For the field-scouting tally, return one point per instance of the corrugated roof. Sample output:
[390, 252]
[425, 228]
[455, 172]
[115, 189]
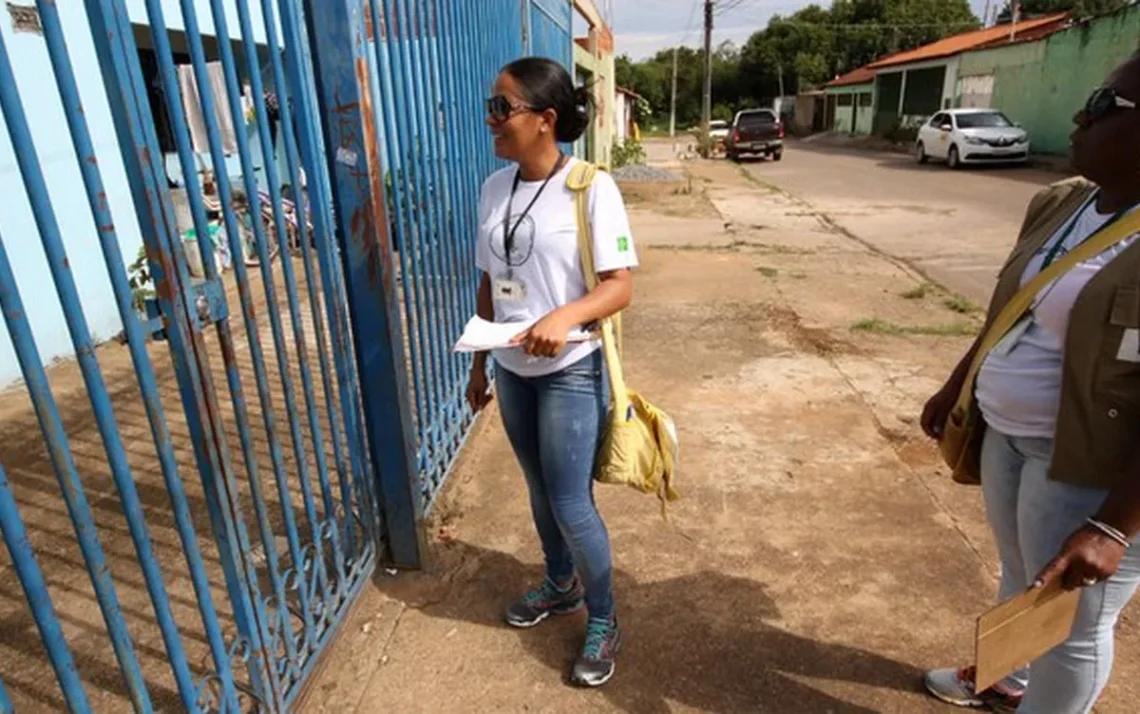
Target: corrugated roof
[950, 46]
[863, 75]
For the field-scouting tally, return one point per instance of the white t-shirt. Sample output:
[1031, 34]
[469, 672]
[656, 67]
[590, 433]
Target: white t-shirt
[545, 259]
[1019, 385]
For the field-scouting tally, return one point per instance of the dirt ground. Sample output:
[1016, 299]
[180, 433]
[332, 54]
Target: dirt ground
[820, 558]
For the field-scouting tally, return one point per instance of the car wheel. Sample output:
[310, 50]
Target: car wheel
[734, 157]
[920, 153]
[777, 155]
[953, 159]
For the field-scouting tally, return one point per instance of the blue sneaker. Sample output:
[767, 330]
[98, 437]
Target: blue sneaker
[598, 661]
[546, 600]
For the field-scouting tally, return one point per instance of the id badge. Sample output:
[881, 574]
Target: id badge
[1007, 343]
[509, 291]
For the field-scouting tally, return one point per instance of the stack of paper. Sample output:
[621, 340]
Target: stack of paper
[482, 336]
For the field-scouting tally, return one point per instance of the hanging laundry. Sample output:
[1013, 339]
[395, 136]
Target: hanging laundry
[196, 118]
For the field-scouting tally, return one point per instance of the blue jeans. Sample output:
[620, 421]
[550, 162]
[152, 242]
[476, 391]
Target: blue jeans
[555, 424]
[1031, 518]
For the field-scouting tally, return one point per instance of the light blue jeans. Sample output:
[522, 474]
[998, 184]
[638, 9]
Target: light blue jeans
[555, 425]
[1031, 518]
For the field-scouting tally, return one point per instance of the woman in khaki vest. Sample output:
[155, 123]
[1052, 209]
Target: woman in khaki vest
[1059, 456]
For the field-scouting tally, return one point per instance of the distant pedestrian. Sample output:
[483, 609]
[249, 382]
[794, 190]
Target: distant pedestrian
[553, 393]
[1057, 447]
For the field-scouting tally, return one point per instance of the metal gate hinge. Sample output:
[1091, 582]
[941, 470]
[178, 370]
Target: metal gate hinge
[208, 300]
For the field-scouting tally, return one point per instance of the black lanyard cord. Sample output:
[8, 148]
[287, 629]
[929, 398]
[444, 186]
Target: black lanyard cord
[1059, 249]
[508, 232]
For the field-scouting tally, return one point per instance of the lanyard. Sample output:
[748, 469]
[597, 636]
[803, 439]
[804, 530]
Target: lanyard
[1058, 248]
[508, 232]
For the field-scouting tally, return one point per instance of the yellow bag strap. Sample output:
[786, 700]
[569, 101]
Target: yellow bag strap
[579, 181]
[1020, 303]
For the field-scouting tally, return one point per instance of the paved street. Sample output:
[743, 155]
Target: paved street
[957, 227]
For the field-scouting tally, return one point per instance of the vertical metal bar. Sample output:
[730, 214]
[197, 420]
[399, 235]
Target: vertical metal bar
[188, 159]
[36, 187]
[463, 105]
[134, 125]
[5, 700]
[420, 241]
[249, 176]
[39, 600]
[353, 155]
[63, 462]
[384, 48]
[328, 258]
[450, 320]
[245, 431]
[253, 68]
[301, 211]
[112, 255]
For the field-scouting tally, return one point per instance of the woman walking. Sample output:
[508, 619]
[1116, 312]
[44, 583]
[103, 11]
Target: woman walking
[1059, 398]
[552, 389]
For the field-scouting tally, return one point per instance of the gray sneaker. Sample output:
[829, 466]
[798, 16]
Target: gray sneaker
[544, 601]
[598, 661]
[956, 686]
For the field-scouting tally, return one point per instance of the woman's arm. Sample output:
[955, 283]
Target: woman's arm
[547, 338]
[484, 308]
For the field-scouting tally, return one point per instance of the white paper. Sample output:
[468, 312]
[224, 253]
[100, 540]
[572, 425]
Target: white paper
[482, 335]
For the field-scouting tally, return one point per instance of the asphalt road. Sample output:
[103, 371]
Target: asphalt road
[955, 226]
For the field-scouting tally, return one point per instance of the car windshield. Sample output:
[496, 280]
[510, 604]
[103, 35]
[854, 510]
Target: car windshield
[756, 119]
[983, 120]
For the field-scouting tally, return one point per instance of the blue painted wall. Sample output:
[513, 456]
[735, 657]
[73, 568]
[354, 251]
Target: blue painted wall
[37, 87]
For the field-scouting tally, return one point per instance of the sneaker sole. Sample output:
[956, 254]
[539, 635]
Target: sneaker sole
[594, 684]
[972, 704]
[528, 624]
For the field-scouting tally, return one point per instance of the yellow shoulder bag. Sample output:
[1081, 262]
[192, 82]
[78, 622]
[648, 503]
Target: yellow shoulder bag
[640, 448]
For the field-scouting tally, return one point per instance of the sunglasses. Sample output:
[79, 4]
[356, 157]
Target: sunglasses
[1105, 101]
[499, 108]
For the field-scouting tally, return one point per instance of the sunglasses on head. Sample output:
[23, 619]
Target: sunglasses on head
[1105, 101]
[500, 108]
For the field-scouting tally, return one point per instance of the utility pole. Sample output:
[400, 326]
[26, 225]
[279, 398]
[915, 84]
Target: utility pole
[706, 108]
[673, 102]
[1016, 6]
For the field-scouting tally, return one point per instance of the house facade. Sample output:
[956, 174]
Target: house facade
[851, 102]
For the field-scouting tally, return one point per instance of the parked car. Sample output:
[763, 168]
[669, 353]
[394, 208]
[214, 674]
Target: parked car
[758, 132]
[971, 136]
[718, 133]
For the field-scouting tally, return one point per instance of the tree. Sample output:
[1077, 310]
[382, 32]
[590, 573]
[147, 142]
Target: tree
[805, 49]
[1079, 8]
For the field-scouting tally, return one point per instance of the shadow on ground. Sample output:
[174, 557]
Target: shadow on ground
[705, 640]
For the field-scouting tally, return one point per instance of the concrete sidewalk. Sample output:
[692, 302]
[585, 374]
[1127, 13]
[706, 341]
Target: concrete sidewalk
[819, 559]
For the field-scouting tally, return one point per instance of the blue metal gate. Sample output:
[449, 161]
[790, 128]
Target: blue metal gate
[282, 406]
[246, 569]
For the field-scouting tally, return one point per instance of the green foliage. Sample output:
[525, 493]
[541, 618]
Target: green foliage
[139, 280]
[799, 51]
[628, 152]
[1080, 8]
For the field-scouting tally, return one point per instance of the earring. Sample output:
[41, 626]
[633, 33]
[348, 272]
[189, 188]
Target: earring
[543, 129]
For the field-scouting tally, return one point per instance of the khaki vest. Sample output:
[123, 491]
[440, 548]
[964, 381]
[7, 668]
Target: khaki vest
[1098, 424]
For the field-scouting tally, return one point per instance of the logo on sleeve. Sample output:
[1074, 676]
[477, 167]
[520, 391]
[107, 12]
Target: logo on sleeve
[623, 244]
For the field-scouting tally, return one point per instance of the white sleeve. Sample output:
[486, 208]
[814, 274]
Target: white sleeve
[482, 244]
[613, 240]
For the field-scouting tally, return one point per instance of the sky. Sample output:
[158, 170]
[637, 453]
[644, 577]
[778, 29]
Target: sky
[642, 27]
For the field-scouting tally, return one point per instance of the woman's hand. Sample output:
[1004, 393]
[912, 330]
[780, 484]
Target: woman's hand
[547, 338]
[1088, 557]
[478, 392]
[937, 411]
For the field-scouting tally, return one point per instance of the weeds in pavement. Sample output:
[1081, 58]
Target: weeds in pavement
[918, 292]
[881, 327]
[961, 305]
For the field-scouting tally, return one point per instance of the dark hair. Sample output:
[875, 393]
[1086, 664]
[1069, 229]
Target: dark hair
[545, 84]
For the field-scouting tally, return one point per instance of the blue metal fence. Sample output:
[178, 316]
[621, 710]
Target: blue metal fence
[283, 406]
[230, 619]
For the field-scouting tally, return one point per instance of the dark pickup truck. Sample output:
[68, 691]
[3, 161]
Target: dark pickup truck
[758, 132]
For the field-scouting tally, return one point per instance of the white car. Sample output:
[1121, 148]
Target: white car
[718, 130]
[971, 136]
